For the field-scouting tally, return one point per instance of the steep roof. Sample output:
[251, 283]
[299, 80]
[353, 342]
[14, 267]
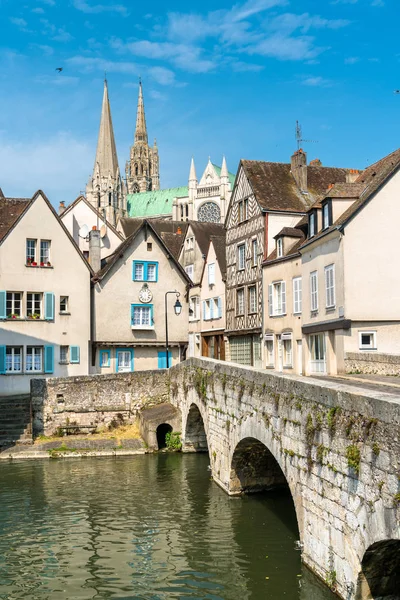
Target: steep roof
[94, 209]
[275, 187]
[289, 232]
[167, 229]
[106, 153]
[219, 243]
[155, 202]
[10, 211]
[203, 231]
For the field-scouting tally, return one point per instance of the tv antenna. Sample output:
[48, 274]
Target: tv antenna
[299, 137]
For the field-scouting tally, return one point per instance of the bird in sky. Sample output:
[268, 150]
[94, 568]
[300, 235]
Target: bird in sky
[396, 92]
[59, 69]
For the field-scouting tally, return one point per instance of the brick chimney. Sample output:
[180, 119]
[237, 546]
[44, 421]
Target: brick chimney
[298, 162]
[315, 163]
[352, 175]
[94, 249]
[61, 208]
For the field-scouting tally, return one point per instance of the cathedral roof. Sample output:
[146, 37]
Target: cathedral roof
[154, 203]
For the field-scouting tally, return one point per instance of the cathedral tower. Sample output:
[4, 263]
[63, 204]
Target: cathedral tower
[142, 170]
[105, 189]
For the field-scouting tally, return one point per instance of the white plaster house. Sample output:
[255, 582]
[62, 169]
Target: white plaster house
[44, 296]
[129, 317]
[81, 215]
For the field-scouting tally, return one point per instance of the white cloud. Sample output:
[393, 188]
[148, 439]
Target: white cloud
[351, 60]
[58, 79]
[58, 34]
[87, 8]
[47, 50]
[162, 75]
[38, 10]
[18, 22]
[89, 64]
[317, 82]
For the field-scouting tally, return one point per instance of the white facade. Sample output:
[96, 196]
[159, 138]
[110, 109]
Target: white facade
[44, 303]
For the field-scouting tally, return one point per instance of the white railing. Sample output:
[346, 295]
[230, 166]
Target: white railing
[208, 191]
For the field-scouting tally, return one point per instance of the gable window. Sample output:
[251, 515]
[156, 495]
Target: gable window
[30, 251]
[211, 274]
[13, 305]
[252, 299]
[34, 358]
[254, 252]
[190, 243]
[190, 271]
[240, 302]
[142, 316]
[144, 271]
[13, 359]
[34, 305]
[330, 286]
[194, 308]
[241, 256]
[277, 299]
[367, 340]
[314, 290]
[279, 247]
[64, 351]
[243, 210]
[312, 224]
[44, 252]
[326, 214]
[297, 295]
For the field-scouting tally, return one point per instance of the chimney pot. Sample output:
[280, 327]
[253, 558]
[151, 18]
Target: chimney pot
[61, 208]
[179, 231]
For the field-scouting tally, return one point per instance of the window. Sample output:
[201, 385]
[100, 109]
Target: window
[279, 247]
[30, 251]
[326, 214]
[149, 246]
[64, 351]
[189, 271]
[243, 210]
[240, 211]
[297, 295]
[252, 299]
[208, 308]
[217, 309]
[240, 302]
[211, 274]
[190, 243]
[34, 305]
[287, 349]
[254, 252]
[64, 304]
[194, 308]
[269, 343]
[241, 249]
[277, 299]
[105, 358]
[44, 251]
[314, 290]
[144, 271]
[312, 224]
[330, 286]
[13, 359]
[142, 316]
[34, 358]
[367, 340]
[13, 305]
[317, 348]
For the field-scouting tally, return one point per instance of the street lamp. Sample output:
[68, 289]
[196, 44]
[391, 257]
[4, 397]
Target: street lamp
[177, 310]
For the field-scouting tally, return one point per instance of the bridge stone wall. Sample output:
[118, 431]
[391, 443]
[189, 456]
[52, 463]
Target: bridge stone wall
[337, 446]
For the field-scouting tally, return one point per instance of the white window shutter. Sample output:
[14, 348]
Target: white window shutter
[270, 305]
[204, 311]
[211, 308]
[283, 297]
[219, 308]
[300, 293]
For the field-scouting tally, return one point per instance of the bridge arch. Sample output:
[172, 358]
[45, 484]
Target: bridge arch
[195, 436]
[380, 571]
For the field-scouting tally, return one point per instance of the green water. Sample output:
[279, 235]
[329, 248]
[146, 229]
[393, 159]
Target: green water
[146, 527]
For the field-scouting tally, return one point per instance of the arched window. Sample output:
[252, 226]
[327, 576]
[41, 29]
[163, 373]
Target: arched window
[136, 170]
[187, 211]
[181, 212]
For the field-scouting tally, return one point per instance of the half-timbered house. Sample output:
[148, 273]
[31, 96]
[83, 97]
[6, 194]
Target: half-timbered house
[266, 198]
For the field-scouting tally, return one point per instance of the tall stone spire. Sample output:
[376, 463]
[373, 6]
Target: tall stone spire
[141, 129]
[192, 173]
[142, 169]
[105, 189]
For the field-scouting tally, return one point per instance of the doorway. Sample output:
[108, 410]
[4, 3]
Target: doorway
[161, 433]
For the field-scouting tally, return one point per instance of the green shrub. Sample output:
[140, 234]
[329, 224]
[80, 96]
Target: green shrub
[173, 440]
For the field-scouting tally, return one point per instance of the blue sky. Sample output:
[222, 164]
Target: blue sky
[219, 78]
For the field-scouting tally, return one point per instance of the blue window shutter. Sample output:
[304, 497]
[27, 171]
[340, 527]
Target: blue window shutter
[219, 308]
[132, 359]
[3, 305]
[204, 311]
[2, 360]
[49, 306]
[74, 354]
[156, 271]
[48, 359]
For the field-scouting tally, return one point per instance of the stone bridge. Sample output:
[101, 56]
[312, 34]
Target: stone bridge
[335, 447]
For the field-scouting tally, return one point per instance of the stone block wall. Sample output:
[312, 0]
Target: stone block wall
[95, 399]
[371, 363]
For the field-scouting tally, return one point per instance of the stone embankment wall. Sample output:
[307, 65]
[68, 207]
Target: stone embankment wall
[370, 363]
[95, 400]
[337, 446]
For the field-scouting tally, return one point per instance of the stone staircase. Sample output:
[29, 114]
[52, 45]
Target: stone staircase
[15, 421]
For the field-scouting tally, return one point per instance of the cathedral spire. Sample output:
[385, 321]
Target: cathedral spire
[192, 173]
[141, 130]
[106, 153]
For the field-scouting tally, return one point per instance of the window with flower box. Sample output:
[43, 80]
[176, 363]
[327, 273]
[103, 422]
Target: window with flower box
[31, 251]
[34, 305]
[45, 253]
[13, 305]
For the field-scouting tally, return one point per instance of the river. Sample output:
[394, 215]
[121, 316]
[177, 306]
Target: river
[152, 527]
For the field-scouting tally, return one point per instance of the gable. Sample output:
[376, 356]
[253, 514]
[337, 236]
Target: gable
[241, 190]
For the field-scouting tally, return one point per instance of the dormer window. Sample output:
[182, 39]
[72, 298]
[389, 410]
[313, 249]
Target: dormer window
[312, 224]
[327, 214]
[279, 247]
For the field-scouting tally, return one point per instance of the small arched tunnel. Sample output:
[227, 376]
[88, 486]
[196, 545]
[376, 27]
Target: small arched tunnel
[380, 572]
[161, 433]
[254, 468]
[195, 434]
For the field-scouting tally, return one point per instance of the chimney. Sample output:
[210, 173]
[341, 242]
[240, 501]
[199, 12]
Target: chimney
[61, 208]
[298, 162]
[352, 175]
[315, 163]
[94, 249]
[179, 231]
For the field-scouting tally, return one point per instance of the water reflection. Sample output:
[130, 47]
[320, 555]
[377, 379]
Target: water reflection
[145, 528]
